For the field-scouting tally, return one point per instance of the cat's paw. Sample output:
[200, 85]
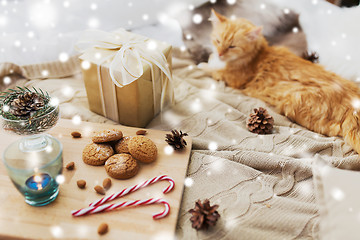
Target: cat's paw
[217, 75]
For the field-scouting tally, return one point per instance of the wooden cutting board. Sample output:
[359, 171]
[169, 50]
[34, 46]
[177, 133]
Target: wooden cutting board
[20, 221]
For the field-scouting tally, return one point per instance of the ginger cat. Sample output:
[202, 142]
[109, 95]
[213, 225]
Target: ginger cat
[302, 91]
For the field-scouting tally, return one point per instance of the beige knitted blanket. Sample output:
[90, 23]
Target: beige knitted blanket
[262, 183]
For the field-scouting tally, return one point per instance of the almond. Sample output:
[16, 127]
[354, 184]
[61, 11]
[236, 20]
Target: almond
[141, 132]
[70, 166]
[107, 183]
[81, 183]
[76, 134]
[99, 189]
[103, 228]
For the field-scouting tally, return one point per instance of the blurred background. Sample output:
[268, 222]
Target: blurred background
[46, 30]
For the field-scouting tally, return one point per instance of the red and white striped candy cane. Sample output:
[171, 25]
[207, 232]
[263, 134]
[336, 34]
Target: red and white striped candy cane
[135, 188]
[109, 207]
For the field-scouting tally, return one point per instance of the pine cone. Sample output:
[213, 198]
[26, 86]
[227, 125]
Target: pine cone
[204, 215]
[176, 140]
[260, 122]
[312, 56]
[26, 103]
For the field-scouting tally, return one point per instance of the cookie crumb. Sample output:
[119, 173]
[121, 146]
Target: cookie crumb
[99, 189]
[107, 183]
[81, 183]
[76, 134]
[141, 132]
[103, 228]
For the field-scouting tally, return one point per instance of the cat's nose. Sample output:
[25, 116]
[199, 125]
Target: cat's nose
[222, 52]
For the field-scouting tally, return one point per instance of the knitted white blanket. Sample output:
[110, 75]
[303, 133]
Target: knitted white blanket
[263, 183]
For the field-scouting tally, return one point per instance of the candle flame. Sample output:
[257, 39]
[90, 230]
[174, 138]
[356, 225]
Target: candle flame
[37, 178]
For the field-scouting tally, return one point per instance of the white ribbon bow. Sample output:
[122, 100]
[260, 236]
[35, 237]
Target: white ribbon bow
[130, 53]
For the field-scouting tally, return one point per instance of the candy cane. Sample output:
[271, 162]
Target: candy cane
[135, 188]
[109, 207]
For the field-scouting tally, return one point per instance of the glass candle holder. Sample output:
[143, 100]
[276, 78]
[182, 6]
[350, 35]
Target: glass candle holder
[34, 173]
[34, 162]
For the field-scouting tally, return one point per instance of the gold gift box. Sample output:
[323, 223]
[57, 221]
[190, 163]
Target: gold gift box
[130, 105]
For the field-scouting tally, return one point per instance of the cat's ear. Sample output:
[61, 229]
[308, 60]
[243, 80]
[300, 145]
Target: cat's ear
[216, 18]
[254, 34]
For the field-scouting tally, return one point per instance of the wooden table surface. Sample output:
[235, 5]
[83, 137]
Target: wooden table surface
[19, 220]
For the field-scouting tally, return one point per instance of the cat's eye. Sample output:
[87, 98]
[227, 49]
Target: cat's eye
[232, 46]
[217, 41]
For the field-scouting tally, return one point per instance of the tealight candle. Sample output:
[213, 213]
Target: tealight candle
[38, 181]
[34, 173]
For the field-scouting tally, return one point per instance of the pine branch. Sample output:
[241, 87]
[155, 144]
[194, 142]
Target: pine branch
[31, 123]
